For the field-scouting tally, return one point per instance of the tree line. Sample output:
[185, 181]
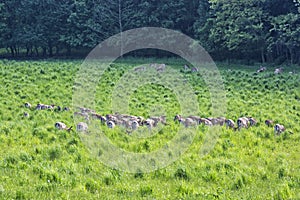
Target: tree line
[259, 30]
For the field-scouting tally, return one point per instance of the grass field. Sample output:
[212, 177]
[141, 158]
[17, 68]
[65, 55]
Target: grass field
[40, 162]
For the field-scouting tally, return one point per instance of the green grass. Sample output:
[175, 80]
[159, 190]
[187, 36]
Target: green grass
[39, 162]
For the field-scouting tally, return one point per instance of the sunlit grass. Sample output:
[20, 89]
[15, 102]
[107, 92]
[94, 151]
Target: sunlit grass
[40, 162]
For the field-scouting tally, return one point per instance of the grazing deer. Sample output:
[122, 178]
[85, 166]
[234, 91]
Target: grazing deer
[188, 122]
[195, 118]
[138, 69]
[242, 122]
[66, 108]
[86, 110]
[140, 120]
[25, 114]
[27, 105]
[58, 108]
[221, 120]
[278, 129]
[62, 126]
[252, 121]
[84, 115]
[123, 122]
[160, 119]
[278, 70]
[261, 69]
[230, 123]
[217, 121]
[194, 69]
[40, 106]
[50, 107]
[186, 67]
[110, 117]
[158, 67]
[134, 125]
[110, 124]
[206, 122]
[177, 118]
[82, 127]
[100, 117]
[150, 123]
[269, 122]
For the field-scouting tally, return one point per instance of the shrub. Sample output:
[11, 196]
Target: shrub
[145, 191]
[139, 174]
[20, 195]
[55, 153]
[181, 174]
[10, 161]
[91, 186]
[281, 173]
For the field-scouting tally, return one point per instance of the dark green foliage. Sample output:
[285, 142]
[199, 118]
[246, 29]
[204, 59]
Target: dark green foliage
[281, 173]
[145, 191]
[20, 195]
[181, 173]
[239, 183]
[10, 161]
[252, 30]
[91, 186]
[139, 174]
[54, 153]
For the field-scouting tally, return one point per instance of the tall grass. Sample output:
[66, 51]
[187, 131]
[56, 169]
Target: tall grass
[40, 162]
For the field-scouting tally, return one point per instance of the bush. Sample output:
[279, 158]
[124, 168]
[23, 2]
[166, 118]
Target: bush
[145, 191]
[181, 174]
[91, 186]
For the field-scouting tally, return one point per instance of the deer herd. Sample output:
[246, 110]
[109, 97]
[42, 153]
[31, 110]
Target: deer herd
[276, 71]
[131, 122]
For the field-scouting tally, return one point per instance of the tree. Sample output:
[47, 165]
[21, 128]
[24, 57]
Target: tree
[201, 25]
[259, 30]
[9, 23]
[286, 36]
[119, 16]
[238, 27]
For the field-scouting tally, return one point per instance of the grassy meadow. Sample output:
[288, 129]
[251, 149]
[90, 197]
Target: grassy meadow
[37, 161]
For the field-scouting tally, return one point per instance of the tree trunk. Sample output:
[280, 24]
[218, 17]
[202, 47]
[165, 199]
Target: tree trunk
[31, 51]
[69, 49]
[27, 51]
[36, 51]
[121, 29]
[44, 51]
[262, 55]
[50, 49]
[270, 57]
[12, 51]
[291, 54]
[17, 51]
[57, 50]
